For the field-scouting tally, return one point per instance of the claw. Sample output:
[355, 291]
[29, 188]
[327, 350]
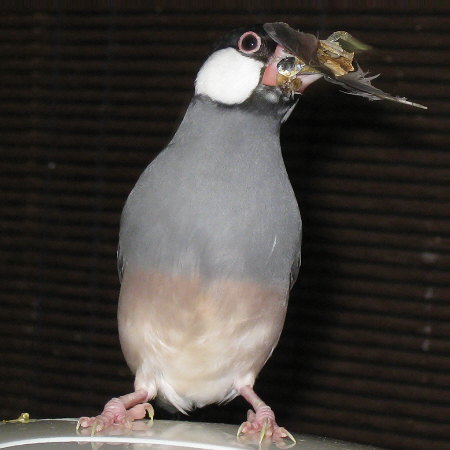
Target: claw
[262, 435]
[289, 436]
[150, 412]
[94, 427]
[128, 423]
[285, 435]
[239, 431]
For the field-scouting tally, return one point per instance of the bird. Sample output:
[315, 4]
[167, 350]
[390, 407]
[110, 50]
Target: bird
[210, 235]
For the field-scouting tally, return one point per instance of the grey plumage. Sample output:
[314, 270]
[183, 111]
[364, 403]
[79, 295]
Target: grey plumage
[217, 201]
[210, 236]
[215, 206]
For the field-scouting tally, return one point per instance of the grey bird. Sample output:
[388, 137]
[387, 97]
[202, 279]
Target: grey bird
[210, 238]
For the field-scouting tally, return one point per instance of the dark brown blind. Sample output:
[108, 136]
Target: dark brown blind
[91, 91]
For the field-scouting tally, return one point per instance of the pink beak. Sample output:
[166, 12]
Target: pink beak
[271, 72]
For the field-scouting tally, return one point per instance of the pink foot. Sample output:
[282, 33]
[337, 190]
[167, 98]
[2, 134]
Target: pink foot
[261, 422]
[119, 411]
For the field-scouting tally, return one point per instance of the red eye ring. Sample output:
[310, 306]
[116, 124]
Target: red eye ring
[249, 42]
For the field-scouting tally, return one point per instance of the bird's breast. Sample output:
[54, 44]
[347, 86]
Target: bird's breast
[237, 219]
[197, 340]
[208, 239]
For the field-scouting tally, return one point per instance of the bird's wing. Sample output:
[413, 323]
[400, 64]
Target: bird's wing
[295, 269]
[120, 263]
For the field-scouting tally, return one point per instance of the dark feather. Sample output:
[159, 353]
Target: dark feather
[357, 83]
[303, 45]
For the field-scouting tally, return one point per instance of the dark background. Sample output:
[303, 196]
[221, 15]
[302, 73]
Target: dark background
[91, 91]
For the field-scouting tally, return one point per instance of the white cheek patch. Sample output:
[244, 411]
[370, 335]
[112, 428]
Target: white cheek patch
[228, 77]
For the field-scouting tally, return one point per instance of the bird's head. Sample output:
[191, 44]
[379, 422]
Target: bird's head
[248, 67]
[268, 65]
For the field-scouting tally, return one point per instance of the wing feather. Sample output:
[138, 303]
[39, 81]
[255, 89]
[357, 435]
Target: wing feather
[359, 83]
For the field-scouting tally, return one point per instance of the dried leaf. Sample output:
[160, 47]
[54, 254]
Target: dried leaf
[333, 58]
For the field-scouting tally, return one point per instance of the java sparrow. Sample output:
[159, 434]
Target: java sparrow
[210, 237]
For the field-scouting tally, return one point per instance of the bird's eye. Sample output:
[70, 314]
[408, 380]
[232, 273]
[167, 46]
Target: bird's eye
[249, 42]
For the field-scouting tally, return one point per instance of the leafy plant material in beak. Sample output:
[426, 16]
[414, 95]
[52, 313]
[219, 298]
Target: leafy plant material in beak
[332, 58]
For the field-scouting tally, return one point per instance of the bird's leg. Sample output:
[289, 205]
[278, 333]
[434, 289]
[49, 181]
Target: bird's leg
[261, 420]
[120, 411]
